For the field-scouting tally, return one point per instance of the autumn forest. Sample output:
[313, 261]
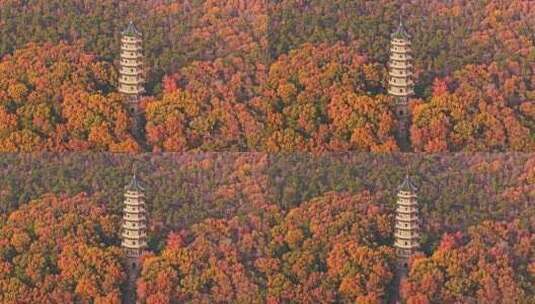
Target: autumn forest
[267, 76]
[266, 160]
[255, 228]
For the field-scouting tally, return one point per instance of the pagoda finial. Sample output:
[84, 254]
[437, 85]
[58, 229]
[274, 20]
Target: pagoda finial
[401, 33]
[134, 185]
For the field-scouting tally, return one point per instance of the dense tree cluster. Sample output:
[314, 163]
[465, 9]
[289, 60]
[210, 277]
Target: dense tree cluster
[319, 98]
[331, 249]
[491, 261]
[56, 98]
[481, 108]
[205, 107]
[60, 250]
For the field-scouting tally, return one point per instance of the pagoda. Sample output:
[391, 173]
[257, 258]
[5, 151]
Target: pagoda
[131, 68]
[407, 228]
[134, 227]
[400, 84]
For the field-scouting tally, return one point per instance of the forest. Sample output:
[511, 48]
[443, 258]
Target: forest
[269, 151]
[264, 228]
[267, 76]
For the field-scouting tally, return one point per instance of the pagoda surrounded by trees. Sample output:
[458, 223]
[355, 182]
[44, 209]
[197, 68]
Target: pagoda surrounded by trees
[131, 79]
[400, 83]
[134, 232]
[407, 227]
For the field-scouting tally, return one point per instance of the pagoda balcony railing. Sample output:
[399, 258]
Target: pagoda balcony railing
[400, 73]
[400, 50]
[129, 225]
[408, 227]
[130, 40]
[135, 81]
[132, 236]
[407, 210]
[127, 244]
[139, 205]
[407, 235]
[405, 93]
[130, 71]
[400, 57]
[407, 195]
[400, 82]
[400, 79]
[406, 218]
[134, 217]
[128, 89]
[408, 245]
[132, 64]
[400, 42]
[131, 91]
[134, 194]
[134, 209]
[134, 214]
[407, 200]
[131, 88]
[131, 47]
[133, 198]
[401, 66]
[131, 55]
[139, 221]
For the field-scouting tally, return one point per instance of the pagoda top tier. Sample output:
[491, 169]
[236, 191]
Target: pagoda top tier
[408, 185]
[132, 31]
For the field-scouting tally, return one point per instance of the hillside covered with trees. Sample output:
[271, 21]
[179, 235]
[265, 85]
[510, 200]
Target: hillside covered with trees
[267, 75]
